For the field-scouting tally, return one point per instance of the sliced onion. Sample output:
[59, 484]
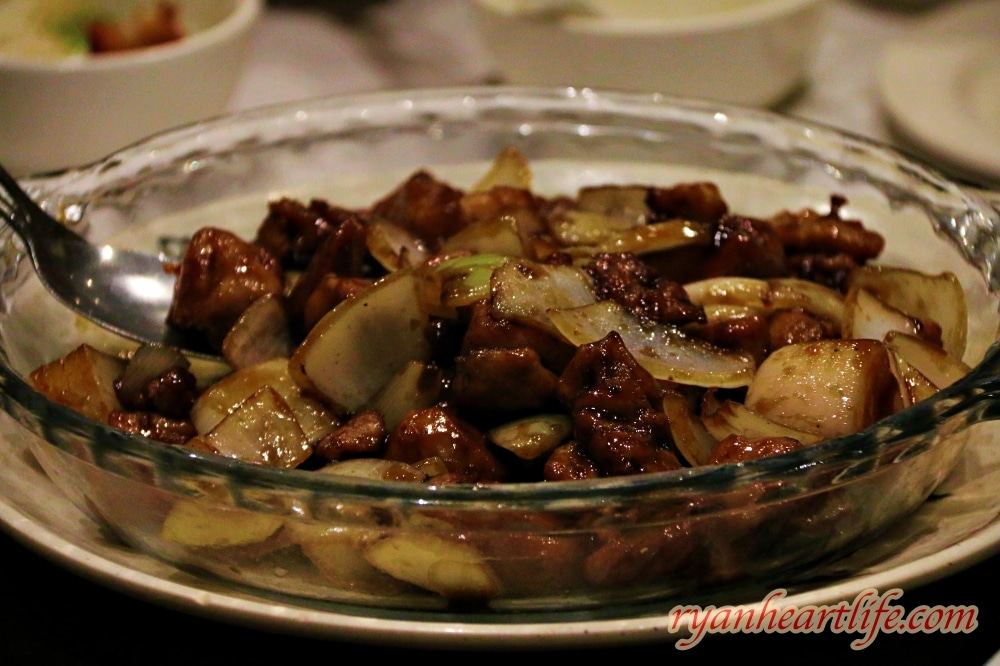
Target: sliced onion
[621, 201]
[868, 317]
[510, 168]
[665, 351]
[657, 237]
[770, 295]
[260, 334]
[416, 386]
[829, 388]
[913, 385]
[939, 298]
[534, 436]
[375, 469]
[524, 291]
[465, 280]
[939, 367]
[450, 567]
[148, 363]
[394, 247]
[581, 227]
[691, 438]
[262, 430]
[360, 344]
[733, 418]
[222, 398]
[497, 235]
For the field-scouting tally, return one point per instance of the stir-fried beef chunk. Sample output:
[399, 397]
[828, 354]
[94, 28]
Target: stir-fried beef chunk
[218, 278]
[625, 279]
[626, 557]
[153, 426]
[737, 448]
[748, 335]
[568, 463]
[363, 435]
[741, 247]
[502, 380]
[746, 247]
[171, 394]
[328, 294]
[485, 331]
[825, 247]
[615, 405]
[342, 253]
[426, 207]
[789, 327]
[437, 431]
[292, 230]
[697, 202]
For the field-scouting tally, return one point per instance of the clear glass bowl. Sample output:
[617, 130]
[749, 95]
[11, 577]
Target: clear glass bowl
[516, 547]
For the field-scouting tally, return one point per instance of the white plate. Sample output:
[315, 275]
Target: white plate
[957, 530]
[941, 86]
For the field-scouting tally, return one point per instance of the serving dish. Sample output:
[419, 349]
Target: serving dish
[536, 546]
[751, 52]
[936, 541]
[66, 111]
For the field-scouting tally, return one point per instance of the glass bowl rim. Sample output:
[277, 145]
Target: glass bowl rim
[837, 455]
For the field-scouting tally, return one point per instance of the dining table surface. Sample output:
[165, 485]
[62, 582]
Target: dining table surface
[52, 614]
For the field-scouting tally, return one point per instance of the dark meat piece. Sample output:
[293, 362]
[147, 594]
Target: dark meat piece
[330, 293]
[426, 207]
[744, 247]
[363, 435]
[171, 394]
[342, 253]
[568, 463]
[502, 380]
[436, 431]
[153, 426]
[697, 202]
[625, 279]
[749, 335]
[741, 247]
[615, 403]
[789, 327]
[631, 556]
[487, 332]
[736, 448]
[825, 248]
[809, 231]
[831, 270]
[293, 231]
[219, 277]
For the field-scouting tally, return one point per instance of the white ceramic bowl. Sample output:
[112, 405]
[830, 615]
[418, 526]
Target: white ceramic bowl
[750, 52]
[67, 112]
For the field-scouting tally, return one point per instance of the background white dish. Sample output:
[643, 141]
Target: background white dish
[940, 84]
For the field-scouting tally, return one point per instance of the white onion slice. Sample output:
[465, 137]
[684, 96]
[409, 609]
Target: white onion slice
[665, 351]
[770, 295]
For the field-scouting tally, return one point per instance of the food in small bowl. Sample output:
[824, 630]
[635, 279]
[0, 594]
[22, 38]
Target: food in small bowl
[751, 52]
[419, 533]
[84, 77]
